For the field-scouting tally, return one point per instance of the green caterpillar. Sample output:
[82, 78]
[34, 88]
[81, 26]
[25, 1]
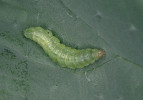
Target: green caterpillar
[63, 55]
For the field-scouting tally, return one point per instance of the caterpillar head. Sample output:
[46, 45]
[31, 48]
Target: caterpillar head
[97, 54]
[101, 53]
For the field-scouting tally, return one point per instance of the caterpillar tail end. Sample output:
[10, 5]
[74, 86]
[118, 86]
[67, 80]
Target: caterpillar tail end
[28, 33]
[101, 53]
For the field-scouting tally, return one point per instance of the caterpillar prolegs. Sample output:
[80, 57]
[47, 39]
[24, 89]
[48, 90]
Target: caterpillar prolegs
[63, 55]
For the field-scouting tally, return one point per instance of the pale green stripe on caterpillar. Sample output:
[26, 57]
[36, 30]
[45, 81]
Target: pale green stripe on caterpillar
[63, 55]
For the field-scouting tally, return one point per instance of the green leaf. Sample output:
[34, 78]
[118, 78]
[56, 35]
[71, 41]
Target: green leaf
[27, 73]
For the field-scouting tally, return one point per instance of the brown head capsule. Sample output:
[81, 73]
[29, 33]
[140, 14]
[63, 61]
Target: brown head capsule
[101, 53]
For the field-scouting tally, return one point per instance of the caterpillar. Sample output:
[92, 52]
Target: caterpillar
[65, 56]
